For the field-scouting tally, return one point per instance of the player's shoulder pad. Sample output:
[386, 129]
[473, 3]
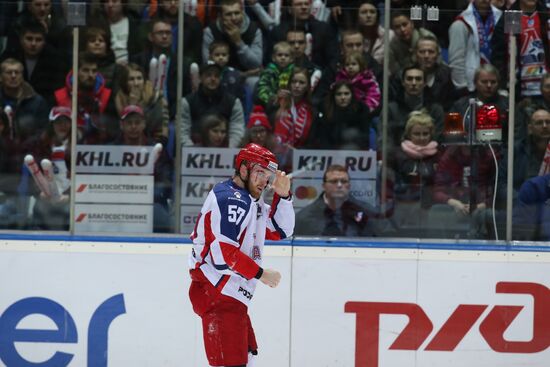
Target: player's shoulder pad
[226, 195]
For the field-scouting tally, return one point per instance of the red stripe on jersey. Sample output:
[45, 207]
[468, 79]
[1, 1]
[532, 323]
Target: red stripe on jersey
[194, 233]
[272, 235]
[274, 203]
[241, 239]
[208, 236]
[238, 261]
[222, 282]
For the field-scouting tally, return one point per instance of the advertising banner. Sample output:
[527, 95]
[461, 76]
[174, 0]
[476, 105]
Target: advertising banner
[206, 162]
[384, 312]
[112, 304]
[312, 164]
[113, 189]
[118, 218]
[115, 159]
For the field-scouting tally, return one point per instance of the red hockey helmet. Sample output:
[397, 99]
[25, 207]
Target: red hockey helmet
[256, 154]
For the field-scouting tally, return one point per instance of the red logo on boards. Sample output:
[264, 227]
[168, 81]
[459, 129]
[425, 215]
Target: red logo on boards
[81, 188]
[80, 217]
[459, 323]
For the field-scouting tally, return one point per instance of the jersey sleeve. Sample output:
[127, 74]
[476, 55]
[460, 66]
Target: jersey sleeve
[228, 220]
[280, 224]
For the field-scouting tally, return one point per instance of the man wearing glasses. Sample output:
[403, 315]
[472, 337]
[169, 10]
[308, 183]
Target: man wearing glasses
[335, 212]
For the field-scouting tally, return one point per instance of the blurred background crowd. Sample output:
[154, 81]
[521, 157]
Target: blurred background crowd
[291, 74]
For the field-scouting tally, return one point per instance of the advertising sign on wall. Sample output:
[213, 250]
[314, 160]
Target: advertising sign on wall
[114, 188]
[112, 304]
[312, 164]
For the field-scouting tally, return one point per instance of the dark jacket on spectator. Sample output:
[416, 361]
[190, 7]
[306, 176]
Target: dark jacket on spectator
[58, 36]
[48, 74]
[442, 90]
[414, 178]
[197, 105]
[452, 174]
[325, 48]
[398, 114]
[531, 216]
[30, 113]
[346, 128]
[317, 219]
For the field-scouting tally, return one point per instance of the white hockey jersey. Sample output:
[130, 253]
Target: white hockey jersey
[229, 237]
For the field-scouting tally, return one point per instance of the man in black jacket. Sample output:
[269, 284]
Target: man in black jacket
[335, 212]
[44, 68]
[324, 47]
[210, 99]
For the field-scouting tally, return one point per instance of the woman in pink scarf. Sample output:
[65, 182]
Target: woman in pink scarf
[415, 163]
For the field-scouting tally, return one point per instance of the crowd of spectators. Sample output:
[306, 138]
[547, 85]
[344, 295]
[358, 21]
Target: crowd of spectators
[305, 75]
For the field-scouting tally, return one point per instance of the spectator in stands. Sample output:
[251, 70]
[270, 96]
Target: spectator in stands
[192, 29]
[486, 80]
[211, 99]
[29, 111]
[363, 82]
[10, 172]
[533, 57]
[324, 42]
[499, 4]
[412, 99]
[470, 42]
[51, 211]
[132, 132]
[133, 127]
[404, 42]
[529, 153]
[336, 212]
[296, 38]
[352, 41]
[232, 80]
[344, 122]
[259, 130]
[136, 90]
[213, 131]
[124, 25]
[40, 11]
[243, 36]
[96, 109]
[276, 75]
[463, 192]
[368, 23]
[160, 42]
[96, 41]
[437, 74]
[525, 109]
[294, 117]
[531, 216]
[415, 165]
[44, 69]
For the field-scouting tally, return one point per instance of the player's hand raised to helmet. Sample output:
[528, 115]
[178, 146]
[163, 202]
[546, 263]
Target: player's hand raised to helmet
[281, 184]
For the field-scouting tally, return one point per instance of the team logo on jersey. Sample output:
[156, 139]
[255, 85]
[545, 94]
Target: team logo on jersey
[238, 194]
[358, 217]
[256, 254]
[259, 211]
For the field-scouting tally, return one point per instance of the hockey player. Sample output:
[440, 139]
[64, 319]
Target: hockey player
[225, 262]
